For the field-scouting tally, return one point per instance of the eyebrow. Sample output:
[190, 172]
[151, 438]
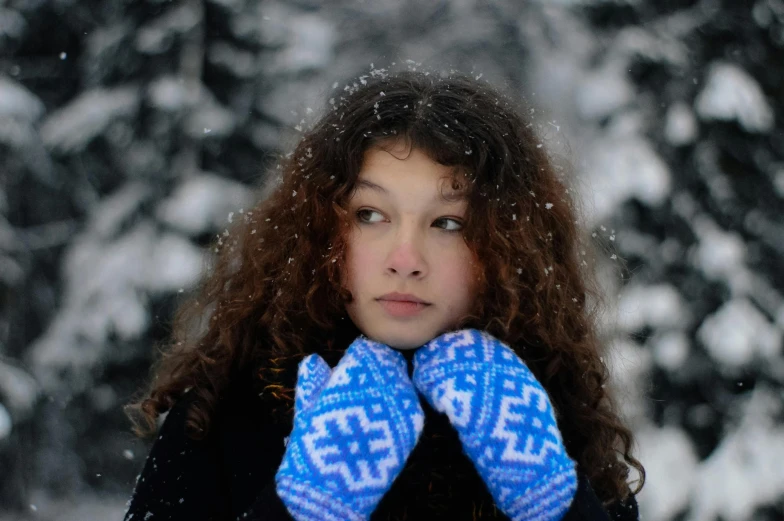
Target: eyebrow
[364, 183]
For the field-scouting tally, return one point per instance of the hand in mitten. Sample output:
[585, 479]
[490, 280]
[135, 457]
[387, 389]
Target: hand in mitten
[353, 431]
[504, 419]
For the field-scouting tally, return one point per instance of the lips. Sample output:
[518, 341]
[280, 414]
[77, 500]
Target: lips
[403, 297]
[402, 309]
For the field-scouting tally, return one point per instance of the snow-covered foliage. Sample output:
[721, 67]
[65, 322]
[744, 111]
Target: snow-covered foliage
[731, 94]
[693, 211]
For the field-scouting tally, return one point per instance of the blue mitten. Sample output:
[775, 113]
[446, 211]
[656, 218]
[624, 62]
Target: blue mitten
[504, 419]
[312, 376]
[353, 431]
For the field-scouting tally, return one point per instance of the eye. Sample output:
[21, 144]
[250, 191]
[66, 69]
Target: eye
[360, 212]
[440, 219]
[459, 224]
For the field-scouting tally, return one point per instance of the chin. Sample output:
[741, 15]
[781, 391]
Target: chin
[405, 344]
[400, 336]
[406, 347]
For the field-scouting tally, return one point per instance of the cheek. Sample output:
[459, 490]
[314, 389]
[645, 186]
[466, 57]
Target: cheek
[465, 274]
[459, 279]
[359, 263]
[453, 269]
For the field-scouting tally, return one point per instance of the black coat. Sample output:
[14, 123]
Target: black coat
[230, 474]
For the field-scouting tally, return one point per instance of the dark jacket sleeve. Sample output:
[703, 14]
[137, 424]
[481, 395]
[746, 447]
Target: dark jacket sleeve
[269, 507]
[182, 479]
[586, 506]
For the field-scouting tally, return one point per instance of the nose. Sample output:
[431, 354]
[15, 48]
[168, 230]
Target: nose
[406, 258]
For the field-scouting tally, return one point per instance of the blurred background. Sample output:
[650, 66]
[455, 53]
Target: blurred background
[132, 132]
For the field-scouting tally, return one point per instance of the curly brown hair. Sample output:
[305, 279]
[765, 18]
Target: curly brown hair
[275, 284]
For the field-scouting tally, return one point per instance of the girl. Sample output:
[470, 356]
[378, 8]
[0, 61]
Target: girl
[399, 330]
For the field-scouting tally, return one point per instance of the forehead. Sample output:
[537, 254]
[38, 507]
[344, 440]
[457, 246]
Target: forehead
[452, 194]
[384, 170]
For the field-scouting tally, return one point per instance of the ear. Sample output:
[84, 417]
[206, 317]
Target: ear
[312, 375]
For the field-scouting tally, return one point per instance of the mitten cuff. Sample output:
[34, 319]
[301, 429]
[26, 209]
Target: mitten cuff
[437, 350]
[389, 365]
[307, 502]
[547, 499]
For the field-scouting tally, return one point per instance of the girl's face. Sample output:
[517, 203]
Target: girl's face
[406, 239]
